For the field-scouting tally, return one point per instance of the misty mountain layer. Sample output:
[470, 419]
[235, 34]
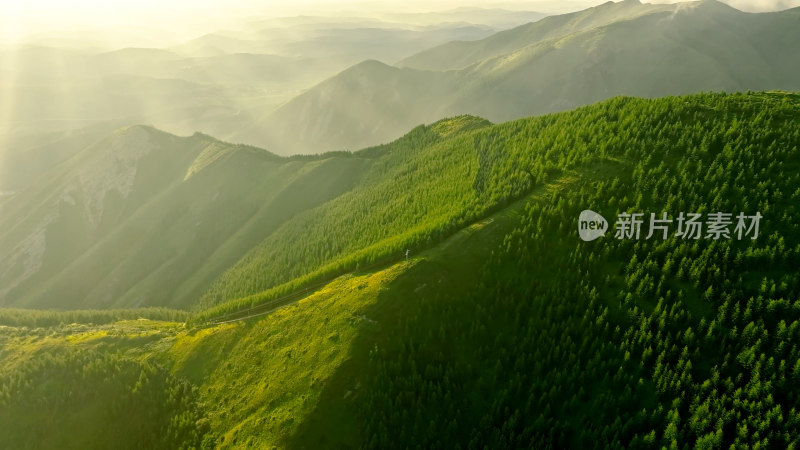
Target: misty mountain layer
[555, 64]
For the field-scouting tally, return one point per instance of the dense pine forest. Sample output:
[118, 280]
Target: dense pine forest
[503, 329]
[640, 344]
[81, 399]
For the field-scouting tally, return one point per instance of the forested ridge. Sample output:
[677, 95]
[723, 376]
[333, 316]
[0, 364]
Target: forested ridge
[640, 344]
[505, 329]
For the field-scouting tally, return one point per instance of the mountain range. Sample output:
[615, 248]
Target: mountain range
[554, 64]
[119, 214]
[217, 83]
[430, 286]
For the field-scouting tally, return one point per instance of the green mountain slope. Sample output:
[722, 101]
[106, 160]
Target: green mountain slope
[558, 63]
[418, 190]
[530, 337]
[147, 218]
[513, 332]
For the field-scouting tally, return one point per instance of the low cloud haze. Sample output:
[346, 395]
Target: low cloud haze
[143, 22]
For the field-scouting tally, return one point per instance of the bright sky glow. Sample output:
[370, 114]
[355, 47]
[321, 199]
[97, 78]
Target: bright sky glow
[178, 20]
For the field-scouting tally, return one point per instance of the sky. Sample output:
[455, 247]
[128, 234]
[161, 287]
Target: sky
[185, 19]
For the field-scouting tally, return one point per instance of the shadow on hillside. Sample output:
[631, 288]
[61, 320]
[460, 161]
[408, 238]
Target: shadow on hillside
[337, 420]
[448, 271]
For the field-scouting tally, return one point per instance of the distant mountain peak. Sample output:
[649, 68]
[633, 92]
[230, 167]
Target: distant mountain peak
[371, 64]
[611, 3]
[716, 4]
